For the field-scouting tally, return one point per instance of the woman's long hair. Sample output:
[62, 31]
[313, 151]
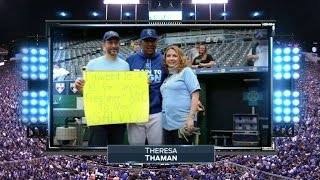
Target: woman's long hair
[205, 54]
[182, 57]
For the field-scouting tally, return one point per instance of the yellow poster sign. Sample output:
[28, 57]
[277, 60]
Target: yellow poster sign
[116, 97]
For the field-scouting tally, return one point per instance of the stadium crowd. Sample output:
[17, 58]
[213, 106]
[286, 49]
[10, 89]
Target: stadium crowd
[22, 158]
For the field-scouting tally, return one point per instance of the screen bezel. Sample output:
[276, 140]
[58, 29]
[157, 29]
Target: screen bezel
[52, 24]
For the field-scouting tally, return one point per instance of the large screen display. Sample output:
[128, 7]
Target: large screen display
[235, 86]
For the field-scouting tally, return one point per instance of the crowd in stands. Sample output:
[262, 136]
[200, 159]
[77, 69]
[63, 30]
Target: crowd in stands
[13, 142]
[298, 156]
[22, 158]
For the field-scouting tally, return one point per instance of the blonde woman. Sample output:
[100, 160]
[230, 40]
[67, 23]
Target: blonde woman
[180, 93]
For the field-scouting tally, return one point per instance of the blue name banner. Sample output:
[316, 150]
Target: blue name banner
[161, 154]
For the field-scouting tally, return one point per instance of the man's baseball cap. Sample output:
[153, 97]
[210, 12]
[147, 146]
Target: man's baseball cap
[110, 34]
[148, 33]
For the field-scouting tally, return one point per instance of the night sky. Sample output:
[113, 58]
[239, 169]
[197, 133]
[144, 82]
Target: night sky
[21, 18]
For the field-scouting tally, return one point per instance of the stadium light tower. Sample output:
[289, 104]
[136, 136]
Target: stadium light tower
[209, 2]
[34, 100]
[121, 2]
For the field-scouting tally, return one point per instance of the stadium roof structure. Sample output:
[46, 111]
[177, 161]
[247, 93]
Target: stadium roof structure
[3, 51]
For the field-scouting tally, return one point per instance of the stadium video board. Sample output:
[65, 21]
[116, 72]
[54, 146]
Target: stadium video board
[235, 89]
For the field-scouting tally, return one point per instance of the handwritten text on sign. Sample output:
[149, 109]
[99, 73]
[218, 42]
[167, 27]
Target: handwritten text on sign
[116, 97]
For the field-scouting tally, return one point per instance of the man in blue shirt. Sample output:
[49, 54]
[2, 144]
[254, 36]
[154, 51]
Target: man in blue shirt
[102, 135]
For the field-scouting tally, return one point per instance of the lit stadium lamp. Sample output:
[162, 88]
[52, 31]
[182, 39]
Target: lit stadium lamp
[286, 50]
[25, 120]
[42, 102]
[25, 111]
[287, 58]
[25, 102]
[33, 102]
[286, 102]
[224, 14]
[209, 1]
[286, 119]
[42, 111]
[277, 59]
[314, 49]
[42, 59]
[43, 76]
[277, 76]
[127, 14]
[295, 94]
[295, 119]
[33, 111]
[43, 94]
[25, 76]
[33, 95]
[277, 68]
[278, 51]
[286, 75]
[286, 93]
[295, 50]
[121, 2]
[286, 68]
[295, 75]
[95, 14]
[278, 119]
[33, 76]
[295, 66]
[42, 52]
[34, 59]
[277, 101]
[33, 68]
[42, 119]
[295, 110]
[25, 59]
[33, 120]
[296, 102]
[25, 68]
[63, 14]
[43, 68]
[277, 94]
[278, 110]
[25, 93]
[295, 58]
[191, 15]
[256, 14]
[34, 52]
[286, 111]
[25, 51]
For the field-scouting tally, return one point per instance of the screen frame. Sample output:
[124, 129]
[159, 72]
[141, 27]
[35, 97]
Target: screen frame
[52, 24]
